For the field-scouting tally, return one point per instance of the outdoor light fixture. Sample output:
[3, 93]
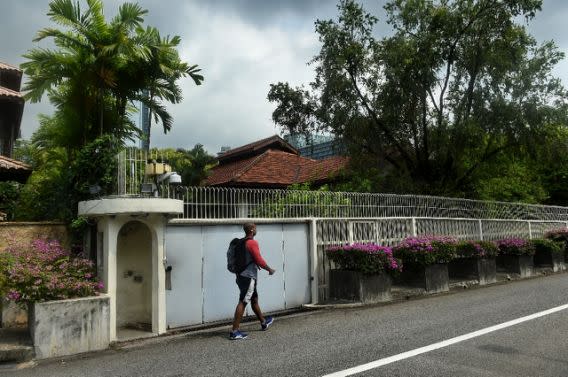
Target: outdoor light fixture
[171, 178]
[161, 173]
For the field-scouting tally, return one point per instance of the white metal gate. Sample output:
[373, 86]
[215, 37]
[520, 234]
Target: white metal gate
[202, 290]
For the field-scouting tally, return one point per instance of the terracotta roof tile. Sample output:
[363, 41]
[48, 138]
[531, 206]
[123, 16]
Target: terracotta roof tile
[257, 146]
[10, 164]
[5, 92]
[8, 67]
[275, 168]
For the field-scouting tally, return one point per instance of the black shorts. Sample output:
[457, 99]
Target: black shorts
[247, 288]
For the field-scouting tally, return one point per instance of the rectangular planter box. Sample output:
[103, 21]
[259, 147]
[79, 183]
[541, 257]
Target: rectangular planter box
[356, 286]
[480, 269]
[68, 327]
[517, 264]
[548, 259]
[433, 278]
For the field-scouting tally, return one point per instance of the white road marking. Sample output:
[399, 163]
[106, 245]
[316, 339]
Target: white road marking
[442, 344]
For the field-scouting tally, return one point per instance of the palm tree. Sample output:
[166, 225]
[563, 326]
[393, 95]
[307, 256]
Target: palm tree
[100, 67]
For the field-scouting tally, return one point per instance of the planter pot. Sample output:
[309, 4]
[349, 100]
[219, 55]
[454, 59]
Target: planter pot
[356, 286]
[548, 259]
[483, 270]
[69, 327]
[433, 278]
[517, 264]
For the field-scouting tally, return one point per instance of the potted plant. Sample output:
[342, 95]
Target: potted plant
[475, 260]
[362, 272]
[515, 256]
[561, 235]
[426, 261]
[66, 314]
[549, 253]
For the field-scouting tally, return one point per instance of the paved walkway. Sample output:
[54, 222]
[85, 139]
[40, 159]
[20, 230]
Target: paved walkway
[16, 348]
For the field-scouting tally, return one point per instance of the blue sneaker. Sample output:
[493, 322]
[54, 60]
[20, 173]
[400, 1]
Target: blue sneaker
[267, 322]
[237, 335]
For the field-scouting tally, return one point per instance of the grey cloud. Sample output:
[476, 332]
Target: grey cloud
[231, 107]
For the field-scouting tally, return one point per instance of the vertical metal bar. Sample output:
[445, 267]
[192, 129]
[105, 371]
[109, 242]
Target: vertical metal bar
[414, 227]
[314, 261]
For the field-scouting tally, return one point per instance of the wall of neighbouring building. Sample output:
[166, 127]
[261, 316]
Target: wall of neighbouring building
[12, 315]
[29, 231]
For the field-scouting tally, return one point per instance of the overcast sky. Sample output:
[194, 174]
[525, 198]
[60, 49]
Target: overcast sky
[242, 47]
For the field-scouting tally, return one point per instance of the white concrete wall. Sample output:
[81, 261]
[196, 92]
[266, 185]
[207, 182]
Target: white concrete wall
[202, 288]
[68, 327]
[134, 262]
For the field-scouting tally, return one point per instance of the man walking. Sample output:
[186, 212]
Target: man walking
[247, 282]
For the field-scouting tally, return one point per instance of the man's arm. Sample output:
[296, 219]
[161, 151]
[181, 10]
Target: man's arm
[254, 250]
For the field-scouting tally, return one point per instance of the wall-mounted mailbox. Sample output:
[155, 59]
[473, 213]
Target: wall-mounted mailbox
[168, 278]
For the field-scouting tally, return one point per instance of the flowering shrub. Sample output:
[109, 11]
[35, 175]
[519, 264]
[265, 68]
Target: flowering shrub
[476, 249]
[548, 246]
[368, 258]
[426, 250]
[515, 246]
[43, 271]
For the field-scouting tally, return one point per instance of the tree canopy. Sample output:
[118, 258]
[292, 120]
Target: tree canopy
[94, 75]
[458, 88]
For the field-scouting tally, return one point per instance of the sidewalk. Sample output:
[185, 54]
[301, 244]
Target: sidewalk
[16, 349]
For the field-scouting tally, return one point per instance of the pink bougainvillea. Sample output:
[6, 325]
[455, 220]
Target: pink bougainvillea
[43, 270]
[368, 258]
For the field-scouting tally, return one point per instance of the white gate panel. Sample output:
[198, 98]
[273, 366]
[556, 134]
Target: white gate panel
[220, 292]
[296, 265]
[202, 290]
[184, 253]
[270, 288]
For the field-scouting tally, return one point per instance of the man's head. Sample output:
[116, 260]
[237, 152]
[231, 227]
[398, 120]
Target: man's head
[250, 229]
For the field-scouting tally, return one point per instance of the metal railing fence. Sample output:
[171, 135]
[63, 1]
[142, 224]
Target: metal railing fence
[390, 231]
[216, 203]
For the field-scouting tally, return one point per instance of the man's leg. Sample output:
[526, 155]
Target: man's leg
[265, 322]
[239, 311]
[246, 291]
[256, 309]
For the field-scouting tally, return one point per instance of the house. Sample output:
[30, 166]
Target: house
[272, 163]
[13, 170]
[11, 108]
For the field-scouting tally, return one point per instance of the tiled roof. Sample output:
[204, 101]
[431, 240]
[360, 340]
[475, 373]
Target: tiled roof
[272, 142]
[5, 92]
[275, 168]
[8, 67]
[10, 164]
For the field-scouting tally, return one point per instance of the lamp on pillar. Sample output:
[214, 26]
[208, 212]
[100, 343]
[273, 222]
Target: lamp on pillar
[161, 173]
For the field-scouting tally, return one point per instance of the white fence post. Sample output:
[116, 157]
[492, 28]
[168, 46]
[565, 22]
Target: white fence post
[480, 230]
[530, 230]
[414, 227]
[314, 261]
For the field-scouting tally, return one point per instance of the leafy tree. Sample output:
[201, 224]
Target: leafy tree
[98, 69]
[458, 85]
[192, 165]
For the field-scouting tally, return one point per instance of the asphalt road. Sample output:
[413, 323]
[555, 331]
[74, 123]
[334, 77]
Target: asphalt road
[328, 341]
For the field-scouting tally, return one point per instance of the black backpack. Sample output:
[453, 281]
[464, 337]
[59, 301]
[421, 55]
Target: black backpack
[236, 256]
